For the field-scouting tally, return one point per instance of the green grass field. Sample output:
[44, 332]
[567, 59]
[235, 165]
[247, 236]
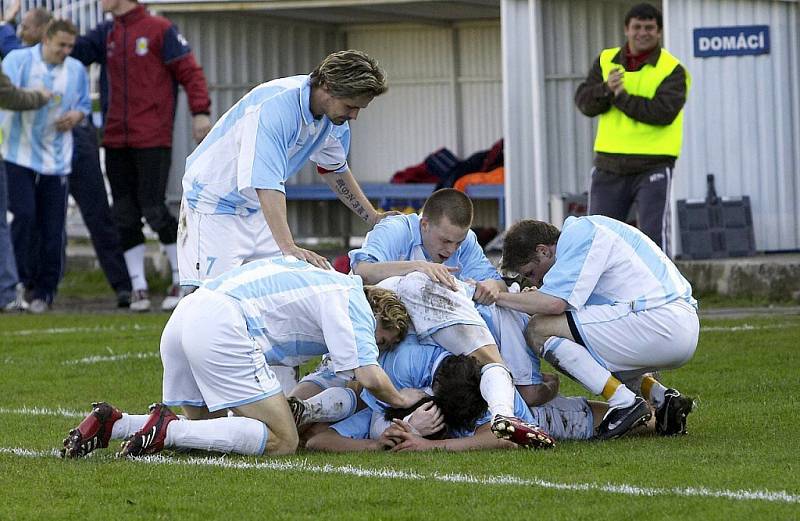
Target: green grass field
[739, 461]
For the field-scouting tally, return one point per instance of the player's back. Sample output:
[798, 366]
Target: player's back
[600, 260]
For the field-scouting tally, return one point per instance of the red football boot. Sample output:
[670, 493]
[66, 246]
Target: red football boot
[94, 432]
[522, 433]
[150, 438]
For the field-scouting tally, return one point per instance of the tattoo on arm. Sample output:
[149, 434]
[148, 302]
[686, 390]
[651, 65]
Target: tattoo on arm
[351, 199]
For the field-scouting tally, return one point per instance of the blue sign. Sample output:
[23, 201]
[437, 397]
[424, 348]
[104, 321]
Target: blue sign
[739, 40]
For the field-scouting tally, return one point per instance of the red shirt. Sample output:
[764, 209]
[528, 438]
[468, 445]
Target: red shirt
[146, 59]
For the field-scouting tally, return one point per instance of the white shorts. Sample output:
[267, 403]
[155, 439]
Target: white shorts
[433, 307]
[209, 244]
[566, 418]
[324, 376]
[623, 340]
[210, 358]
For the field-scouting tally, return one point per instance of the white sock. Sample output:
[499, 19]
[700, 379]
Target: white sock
[657, 394]
[331, 405]
[128, 425]
[171, 250]
[235, 434]
[622, 397]
[497, 389]
[134, 260]
[574, 360]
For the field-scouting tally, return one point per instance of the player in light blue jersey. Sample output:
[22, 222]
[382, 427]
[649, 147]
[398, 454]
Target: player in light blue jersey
[610, 306]
[454, 382]
[234, 205]
[438, 242]
[219, 344]
[38, 154]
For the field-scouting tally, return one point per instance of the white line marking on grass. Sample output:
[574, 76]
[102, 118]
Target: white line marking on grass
[113, 358]
[62, 330]
[388, 473]
[745, 327]
[44, 411]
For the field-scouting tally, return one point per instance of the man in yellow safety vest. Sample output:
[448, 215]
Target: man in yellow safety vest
[638, 91]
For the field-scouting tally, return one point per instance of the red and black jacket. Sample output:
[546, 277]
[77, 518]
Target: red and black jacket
[144, 59]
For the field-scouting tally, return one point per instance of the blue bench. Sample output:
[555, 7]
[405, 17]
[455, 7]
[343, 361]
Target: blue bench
[377, 191]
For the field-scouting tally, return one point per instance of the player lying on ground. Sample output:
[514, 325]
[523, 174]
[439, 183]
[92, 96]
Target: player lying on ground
[453, 321]
[219, 344]
[459, 409]
[610, 307]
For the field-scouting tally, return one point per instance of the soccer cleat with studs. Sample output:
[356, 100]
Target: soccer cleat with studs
[522, 433]
[671, 416]
[94, 432]
[620, 420]
[151, 437]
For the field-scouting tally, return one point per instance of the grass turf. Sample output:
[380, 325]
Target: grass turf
[742, 437]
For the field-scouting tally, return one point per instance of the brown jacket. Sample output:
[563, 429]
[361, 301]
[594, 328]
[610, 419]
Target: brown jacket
[15, 98]
[593, 98]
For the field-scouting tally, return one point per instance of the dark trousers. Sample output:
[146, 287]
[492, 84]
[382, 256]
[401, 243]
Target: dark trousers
[87, 187]
[8, 265]
[138, 179]
[39, 205]
[613, 195]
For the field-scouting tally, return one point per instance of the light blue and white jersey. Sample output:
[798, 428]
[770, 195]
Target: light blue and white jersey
[411, 364]
[356, 426]
[398, 238]
[261, 142]
[295, 312]
[31, 139]
[600, 260]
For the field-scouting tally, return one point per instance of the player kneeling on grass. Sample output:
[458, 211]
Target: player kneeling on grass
[219, 344]
[610, 307]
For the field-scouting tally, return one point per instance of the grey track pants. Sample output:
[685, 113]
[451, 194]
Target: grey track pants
[613, 195]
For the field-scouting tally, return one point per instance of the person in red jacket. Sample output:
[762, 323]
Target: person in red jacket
[144, 58]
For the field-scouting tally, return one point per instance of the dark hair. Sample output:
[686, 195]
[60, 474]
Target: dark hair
[350, 74]
[519, 244]
[61, 25]
[455, 205]
[645, 12]
[457, 392]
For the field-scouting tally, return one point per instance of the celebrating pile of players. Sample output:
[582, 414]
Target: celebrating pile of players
[423, 345]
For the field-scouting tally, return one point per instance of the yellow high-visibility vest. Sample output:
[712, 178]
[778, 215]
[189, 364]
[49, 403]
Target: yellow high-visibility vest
[619, 134]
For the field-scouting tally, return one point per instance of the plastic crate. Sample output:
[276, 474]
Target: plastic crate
[717, 227]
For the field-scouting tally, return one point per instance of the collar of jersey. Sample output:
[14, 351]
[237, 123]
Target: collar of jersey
[305, 101]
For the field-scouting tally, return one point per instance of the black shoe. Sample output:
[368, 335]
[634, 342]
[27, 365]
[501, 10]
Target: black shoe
[619, 420]
[298, 408]
[123, 298]
[671, 416]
